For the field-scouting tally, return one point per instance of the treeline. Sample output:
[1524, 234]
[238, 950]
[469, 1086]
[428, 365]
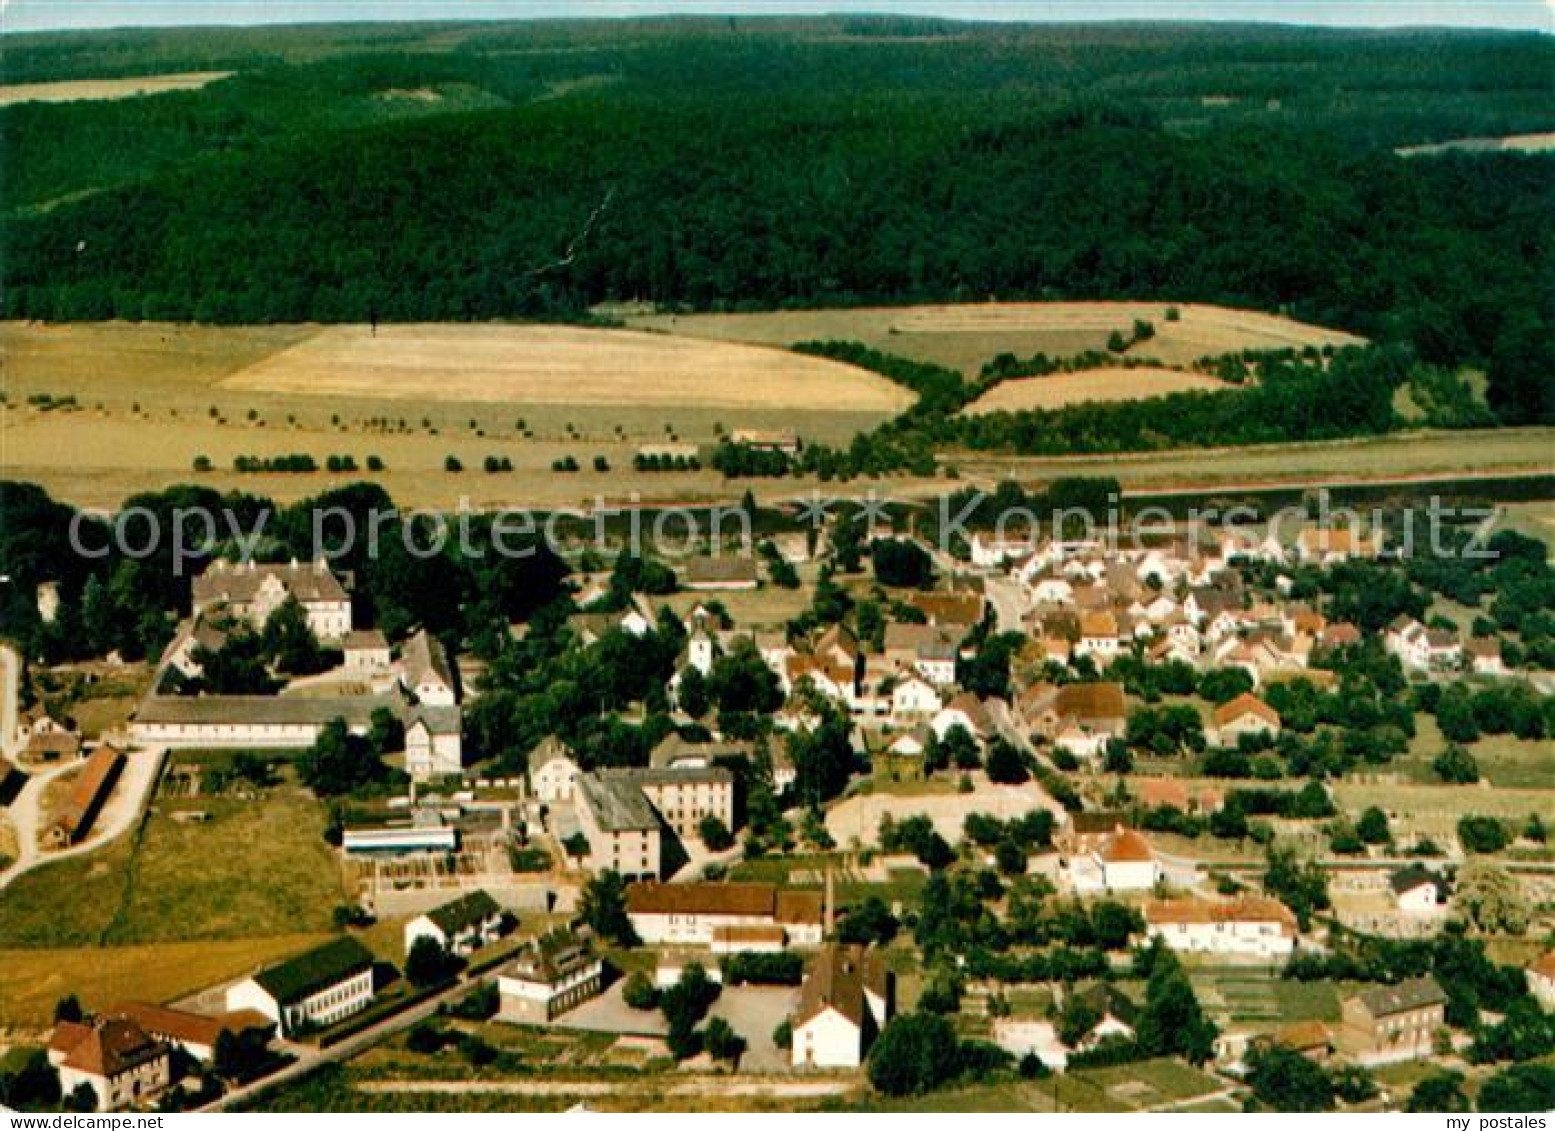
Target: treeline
[971, 197]
[130, 603]
[1294, 401]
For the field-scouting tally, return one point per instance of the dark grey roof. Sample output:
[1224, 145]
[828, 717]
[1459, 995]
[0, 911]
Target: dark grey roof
[1417, 993]
[1411, 877]
[468, 911]
[318, 969]
[263, 709]
[617, 803]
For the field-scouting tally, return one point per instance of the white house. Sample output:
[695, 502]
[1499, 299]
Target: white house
[433, 743]
[911, 743]
[990, 551]
[549, 977]
[914, 696]
[1541, 979]
[463, 925]
[1128, 863]
[965, 711]
[367, 650]
[1423, 649]
[1417, 890]
[1249, 927]
[1484, 656]
[844, 1003]
[122, 1064]
[252, 591]
[426, 672]
[320, 987]
[1246, 714]
[553, 773]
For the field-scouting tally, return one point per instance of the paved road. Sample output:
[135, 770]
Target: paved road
[124, 808]
[802, 1088]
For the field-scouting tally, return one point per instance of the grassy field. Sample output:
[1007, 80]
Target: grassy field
[253, 870]
[965, 337]
[1505, 762]
[1444, 454]
[250, 870]
[1127, 1087]
[1060, 389]
[99, 90]
[1258, 996]
[1435, 809]
[31, 981]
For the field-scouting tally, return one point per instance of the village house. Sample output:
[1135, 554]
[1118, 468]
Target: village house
[1245, 715]
[45, 739]
[719, 575]
[1101, 637]
[844, 1002]
[1328, 546]
[71, 823]
[928, 649]
[1422, 649]
[1393, 1023]
[1174, 793]
[992, 551]
[1484, 657]
[317, 988]
[426, 672]
[913, 696]
[1310, 1039]
[1080, 718]
[550, 976]
[553, 772]
[202, 634]
[1541, 979]
[460, 926]
[251, 591]
[1246, 927]
[960, 609]
[965, 711]
[434, 745]
[693, 914]
[1115, 1013]
[912, 743]
[1417, 890]
[1125, 862]
[194, 1033]
[623, 832]
[1085, 832]
[366, 650]
[122, 1064]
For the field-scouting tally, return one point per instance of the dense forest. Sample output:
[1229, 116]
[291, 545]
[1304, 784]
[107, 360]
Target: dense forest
[536, 171]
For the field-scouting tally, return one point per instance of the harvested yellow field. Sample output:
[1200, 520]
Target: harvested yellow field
[31, 981]
[1513, 143]
[556, 365]
[103, 90]
[1060, 389]
[965, 336]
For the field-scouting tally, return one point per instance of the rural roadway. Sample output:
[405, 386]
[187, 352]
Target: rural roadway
[119, 815]
[310, 1058]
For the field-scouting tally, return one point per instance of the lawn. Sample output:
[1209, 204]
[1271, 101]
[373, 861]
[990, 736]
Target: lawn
[254, 868]
[1251, 995]
[31, 981]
